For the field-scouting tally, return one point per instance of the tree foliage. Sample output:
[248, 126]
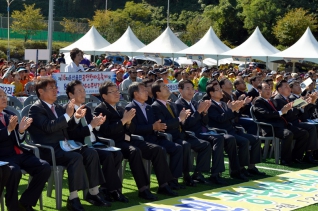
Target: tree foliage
[292, 26]
[73, 26]
[28, 21]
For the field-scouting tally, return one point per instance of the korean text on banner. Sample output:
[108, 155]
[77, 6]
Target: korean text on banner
[173, 87]
[90, 80]
[8, 89]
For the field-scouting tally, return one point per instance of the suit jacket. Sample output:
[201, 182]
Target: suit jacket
[7, 142]
[265, 113]
[252, 93]
[308, 109]
[238, 93]
[46, 128]
[139, 124]
[161, 112]
[80, 132]
[221, 118]
[292, 115]
[112, 128]
[195, 122]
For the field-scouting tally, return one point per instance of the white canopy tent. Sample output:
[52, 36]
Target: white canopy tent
[210, 46]
[306, 48]
[127, 44]
[255, 47]
[89, 43]
[166, 45]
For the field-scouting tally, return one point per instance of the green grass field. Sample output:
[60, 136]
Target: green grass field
[130, 190]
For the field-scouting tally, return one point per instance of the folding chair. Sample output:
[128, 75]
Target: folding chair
[198, 96]
[14, 102]
[30, 88]
[275, 141]
[15, 111]
[30, 100]
[62, 99]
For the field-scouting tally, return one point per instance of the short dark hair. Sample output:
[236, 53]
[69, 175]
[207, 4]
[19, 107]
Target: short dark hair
[74, 52]
[147, 81]
[253, 79]
[260, 86]
[280, 84]
[291, 84]
[71, 86]
[103, 88]
[156, 87]
[210, 88]
[237, 82]
[42, 84]
[212, 81]
[183, 82]
[222, 81]
[41, 68]
[134, 87]
[177, 73]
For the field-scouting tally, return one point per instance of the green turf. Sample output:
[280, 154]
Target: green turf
[130, 190]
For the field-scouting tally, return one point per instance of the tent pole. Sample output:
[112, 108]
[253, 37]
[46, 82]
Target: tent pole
[94, 56]
[217, 61]
[267, 63]
[173, 59]
[293, 67]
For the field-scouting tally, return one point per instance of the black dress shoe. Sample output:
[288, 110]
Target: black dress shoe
[298, 161]
[23, 207]
[245, 172]
[174, 185]
[239, 175]
[146, 194]
[106, 194]
[286, 163]
[118, 196]
[97, 200]
[166, 190]
[74, 205]
[217, 180]
[309, 159]
[189, 182]
[255, 171]
[200, 178]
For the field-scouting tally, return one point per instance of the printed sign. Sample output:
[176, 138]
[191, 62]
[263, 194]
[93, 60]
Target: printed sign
[90, 80]
[173, 87]
[8, 89]
[242, 58]
[152, 54]
[195, 56]
[299, 60]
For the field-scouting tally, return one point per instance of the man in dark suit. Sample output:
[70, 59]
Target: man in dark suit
[148, 84]
[265, 111]
[280, 100]
[111, 161]
[221, 115]
[116, 127]
[12, 134]
[254, 81]
[144, 124]
[167, 113]
[197, 122]
[49, 127]
[5, 172]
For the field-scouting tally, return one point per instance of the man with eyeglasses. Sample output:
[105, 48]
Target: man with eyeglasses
[126, 83]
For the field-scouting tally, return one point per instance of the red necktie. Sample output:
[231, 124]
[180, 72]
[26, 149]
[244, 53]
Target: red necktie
[17, 150]
[271, 103]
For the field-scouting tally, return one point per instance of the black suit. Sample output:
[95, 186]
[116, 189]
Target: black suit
[203, 148]
[221, 117]
[111, 161]
[253, 93]
[133, 150]
[301, 129]
[48, 130]
[264, 112]
[143, 127]
[197, 124]
[38, 169]
[5, 172]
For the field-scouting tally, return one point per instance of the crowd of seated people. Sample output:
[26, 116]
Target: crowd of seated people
[150, 114]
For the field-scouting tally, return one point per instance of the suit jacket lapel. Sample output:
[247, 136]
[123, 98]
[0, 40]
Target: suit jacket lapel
[140, 111]
[218, 107]
[48, 110]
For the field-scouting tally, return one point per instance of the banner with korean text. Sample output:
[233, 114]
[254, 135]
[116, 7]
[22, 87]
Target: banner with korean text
[91, 80]
[8, 89]
[173, 87]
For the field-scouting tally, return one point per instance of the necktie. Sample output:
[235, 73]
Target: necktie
[171, 112]
[53, 110]
[272, 105]
[17, 150]
[87, 139]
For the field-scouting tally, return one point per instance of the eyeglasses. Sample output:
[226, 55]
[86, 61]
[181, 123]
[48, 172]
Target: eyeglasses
[114, 92]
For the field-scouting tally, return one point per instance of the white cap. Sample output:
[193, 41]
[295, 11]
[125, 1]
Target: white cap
[273, 72]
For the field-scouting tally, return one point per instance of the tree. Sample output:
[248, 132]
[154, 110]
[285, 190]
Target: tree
[260, 13]
[28, 21]
[292, 26]
[196, 29]
[73, 26]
